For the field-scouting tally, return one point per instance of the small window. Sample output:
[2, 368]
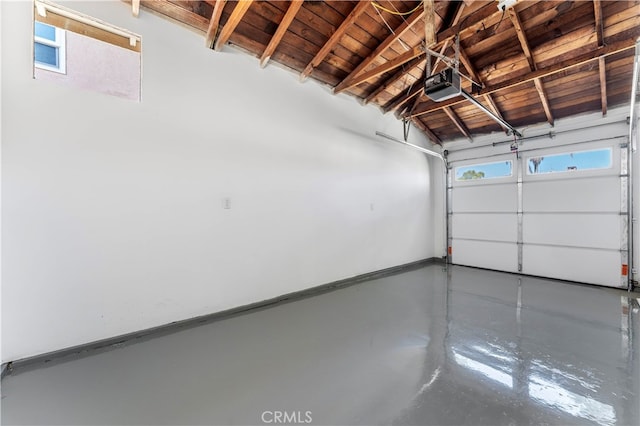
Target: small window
[79, 51]
[570, 161]
[49, 48]
[484, 171]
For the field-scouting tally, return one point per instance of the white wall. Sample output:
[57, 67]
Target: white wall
[112, 210]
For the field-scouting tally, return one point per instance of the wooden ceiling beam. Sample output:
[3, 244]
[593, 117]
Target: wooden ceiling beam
[524, 43]
[402, 99]
[387, 66]
[602, 68]
[458, 122]
[597, 11]
[236, 16]
[466, 61]
[471, 22]
[402, 73]
[135, 8]
[335, 38]
[494, 108]
[214, 22]
[414, 62]
[427, 131]
[544, 99]
[392, 38]
[586, 57]
[430, 37]
[293, 9]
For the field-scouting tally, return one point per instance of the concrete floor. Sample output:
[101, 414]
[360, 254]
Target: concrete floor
[428, 346]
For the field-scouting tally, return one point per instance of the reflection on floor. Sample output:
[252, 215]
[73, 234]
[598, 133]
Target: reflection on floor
[434, 345]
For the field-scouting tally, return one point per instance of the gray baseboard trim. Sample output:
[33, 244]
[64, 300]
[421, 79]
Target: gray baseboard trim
[104, 345]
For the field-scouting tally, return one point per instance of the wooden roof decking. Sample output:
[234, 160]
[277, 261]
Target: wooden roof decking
[538, 61]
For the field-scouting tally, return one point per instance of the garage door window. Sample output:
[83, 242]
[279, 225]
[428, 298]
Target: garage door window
[570, 162]
[484, 171]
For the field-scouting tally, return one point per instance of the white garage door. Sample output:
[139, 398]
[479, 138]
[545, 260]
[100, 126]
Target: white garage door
[558, 213]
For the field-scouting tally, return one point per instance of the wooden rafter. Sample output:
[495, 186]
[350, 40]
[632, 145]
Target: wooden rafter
[212, 30]
[416, 92]
[429, 23]
[426, 130]
[584, 58]
[398, 76]
[544, 99]
[466, 61]
[135, 7]
[458, 122]
[494, 108]
[602, 67]
[597, 11]
[387, 66]
[392, 38]
[524, 43]
[236, 16]
[472, 22]
[282, 29]
[402, 98]
[335, 38]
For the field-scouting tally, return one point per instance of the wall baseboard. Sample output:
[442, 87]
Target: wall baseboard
[108, 344]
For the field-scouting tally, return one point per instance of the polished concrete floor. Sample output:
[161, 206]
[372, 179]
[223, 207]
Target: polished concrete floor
[436, 345]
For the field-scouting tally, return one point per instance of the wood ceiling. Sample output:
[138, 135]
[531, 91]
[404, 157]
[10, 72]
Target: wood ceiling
[537, 61]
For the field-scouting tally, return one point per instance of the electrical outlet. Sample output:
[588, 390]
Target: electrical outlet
[226, 203]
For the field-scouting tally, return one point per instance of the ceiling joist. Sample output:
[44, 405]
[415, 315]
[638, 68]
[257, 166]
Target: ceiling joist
[387, 66]
[549, 47]
[602, 71]
[585, 58]
[212, 30]
[392, 38]
[335, 38]
[429, 23]
[524, 43]
[544, 99]
[597, 12]
[404, 98]
[398, 76]
[458, 123]
[427, 131]
[293, 9]
[236, 16]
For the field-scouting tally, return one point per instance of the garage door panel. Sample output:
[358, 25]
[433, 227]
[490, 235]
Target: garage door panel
[571, 225]
[485, 198]
[488, 226]
[572, 195]
[584, 230]
[485, 254]
[586, 265]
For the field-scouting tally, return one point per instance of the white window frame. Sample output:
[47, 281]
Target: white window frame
[60, 45]
[567, 172]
